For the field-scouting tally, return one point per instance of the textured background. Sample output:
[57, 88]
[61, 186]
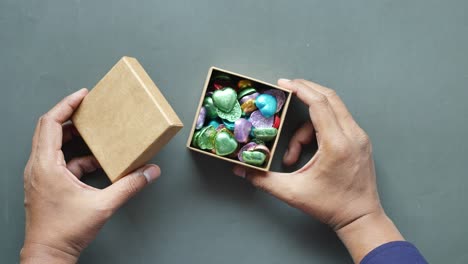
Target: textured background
[400, 66]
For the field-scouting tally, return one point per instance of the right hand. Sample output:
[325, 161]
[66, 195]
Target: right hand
[338, 185]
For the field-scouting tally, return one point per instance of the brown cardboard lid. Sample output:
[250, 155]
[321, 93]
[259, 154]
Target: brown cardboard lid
[125, 119]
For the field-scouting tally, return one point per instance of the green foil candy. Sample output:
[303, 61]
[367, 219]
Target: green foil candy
[206, 138]
[233, 115]
[258, 141]
[225, 99]
[210, 108]
[195, 138]
[256, 158]
[265, 133]
[225, 143]
[245, 92]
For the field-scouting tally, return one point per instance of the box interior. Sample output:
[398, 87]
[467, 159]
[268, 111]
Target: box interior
[260, 87]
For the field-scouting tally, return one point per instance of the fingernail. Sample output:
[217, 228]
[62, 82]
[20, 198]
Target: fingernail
[239, 171]
[284, 80]
[151, 173]
[81, 90]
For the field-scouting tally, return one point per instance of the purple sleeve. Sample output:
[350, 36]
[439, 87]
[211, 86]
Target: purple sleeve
[400, 252]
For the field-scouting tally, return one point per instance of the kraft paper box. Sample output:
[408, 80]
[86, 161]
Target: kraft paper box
[125, 120]
[261, 86]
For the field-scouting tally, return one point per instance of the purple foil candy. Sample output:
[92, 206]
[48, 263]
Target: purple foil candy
[242, 129]
[258, 120]
[248, 146]
[248, 97]
[201, 118]
[280, 98]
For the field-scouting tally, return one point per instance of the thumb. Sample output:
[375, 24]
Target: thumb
[125, 188]
[276, 183]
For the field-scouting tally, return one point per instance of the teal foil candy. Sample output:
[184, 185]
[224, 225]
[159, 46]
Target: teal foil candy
[267, 104]
[214, 123]
[229, 125]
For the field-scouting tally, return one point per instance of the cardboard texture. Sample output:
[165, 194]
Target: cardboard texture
[125, 120]
[275, 142]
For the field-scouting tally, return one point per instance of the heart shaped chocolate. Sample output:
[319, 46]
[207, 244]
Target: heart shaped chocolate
[266, 103]
[210, 107]
[206, 138]
[246, 92]
[280, 98]
[225, 99]
[246, 147]
[225, 143]
[233, 115]
[265, 133]
[256, 158]
[248, 107]
[201, 118]
[221, 81]
[242, 130]
[242, 84]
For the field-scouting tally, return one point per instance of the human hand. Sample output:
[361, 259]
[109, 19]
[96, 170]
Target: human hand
[338, 185]
[63, 214]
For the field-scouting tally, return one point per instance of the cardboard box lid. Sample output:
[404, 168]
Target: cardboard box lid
[125, 120]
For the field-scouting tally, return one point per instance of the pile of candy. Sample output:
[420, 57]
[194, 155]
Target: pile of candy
[238, 123]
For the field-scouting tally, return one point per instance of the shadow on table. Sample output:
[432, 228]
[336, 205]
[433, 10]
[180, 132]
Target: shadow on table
[78, 148]
[309, 234]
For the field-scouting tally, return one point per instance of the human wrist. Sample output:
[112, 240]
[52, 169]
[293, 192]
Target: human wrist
[368, 232]
[41, 253]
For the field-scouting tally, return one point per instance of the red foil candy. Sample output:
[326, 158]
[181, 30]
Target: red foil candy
[277, 122]
[221, 81]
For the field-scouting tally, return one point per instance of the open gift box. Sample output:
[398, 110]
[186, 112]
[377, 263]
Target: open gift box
[239, 119]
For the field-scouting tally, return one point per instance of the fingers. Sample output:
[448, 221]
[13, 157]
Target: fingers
[35, 138]
[69, 132]
[321, 113]
[303, 136]
[125, 188]
[83, 165]
[341, 111]
[65, 108]
[50, 133]
[276, 183]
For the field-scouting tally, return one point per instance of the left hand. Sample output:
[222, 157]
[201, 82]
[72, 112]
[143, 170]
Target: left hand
[63, 214]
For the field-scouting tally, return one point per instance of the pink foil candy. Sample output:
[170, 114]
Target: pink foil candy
[258, 120]
[280, 98]
[242, 129]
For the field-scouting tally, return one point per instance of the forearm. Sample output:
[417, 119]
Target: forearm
[39, 253]
[367, 233]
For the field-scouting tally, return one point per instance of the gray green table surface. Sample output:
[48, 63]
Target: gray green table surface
[400, 66]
